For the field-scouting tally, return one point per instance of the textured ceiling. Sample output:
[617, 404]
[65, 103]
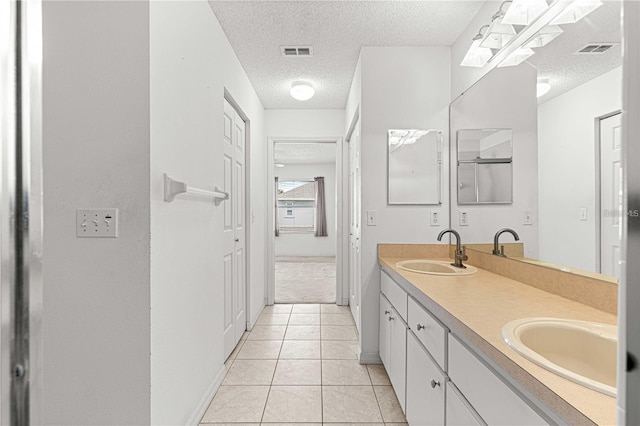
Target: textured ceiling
[304, 153]
[565, 70]
[336, 30]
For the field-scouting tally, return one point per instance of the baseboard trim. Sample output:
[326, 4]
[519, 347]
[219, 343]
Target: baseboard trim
[370, 358]
[207, 398]
[252, 321]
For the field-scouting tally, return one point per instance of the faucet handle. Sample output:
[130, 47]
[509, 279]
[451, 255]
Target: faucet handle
[502, 250]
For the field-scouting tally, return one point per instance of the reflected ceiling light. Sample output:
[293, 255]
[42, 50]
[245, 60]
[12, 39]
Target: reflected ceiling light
[405, 137]
[544, 36]
[523, 12]
[477, 56]
[279, 165]
[576, 11]
[517, 57]
[301, 90]
[542, 87]
[499, 33]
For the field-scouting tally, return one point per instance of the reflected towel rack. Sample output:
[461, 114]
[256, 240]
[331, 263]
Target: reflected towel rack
[174, 187]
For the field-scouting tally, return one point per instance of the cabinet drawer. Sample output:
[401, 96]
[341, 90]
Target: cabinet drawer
[429, 331]
[396, 295]
[483, 389]
[459, 412]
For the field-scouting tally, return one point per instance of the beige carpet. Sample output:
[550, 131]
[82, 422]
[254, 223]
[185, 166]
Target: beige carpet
[305, 279]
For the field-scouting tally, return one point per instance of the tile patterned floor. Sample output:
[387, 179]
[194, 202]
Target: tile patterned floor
[318, 286]
[299, 365]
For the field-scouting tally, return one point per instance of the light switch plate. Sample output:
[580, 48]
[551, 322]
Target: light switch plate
[371, 218]
[97, 223]
[583, 213]
[527, 217]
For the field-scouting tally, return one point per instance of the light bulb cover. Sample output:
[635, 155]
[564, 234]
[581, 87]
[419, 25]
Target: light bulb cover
[301, 90]
[476, 56]
[576, 11]
[544, 36]
[517, 57]
[523, 12]
[498, 35]
[542, 86]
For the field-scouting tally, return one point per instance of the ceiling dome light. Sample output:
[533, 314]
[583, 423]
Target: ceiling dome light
[302, 91]
[542, 87]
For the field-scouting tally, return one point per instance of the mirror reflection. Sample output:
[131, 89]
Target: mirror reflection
[484, 166]
[415, 166]
[566, 204]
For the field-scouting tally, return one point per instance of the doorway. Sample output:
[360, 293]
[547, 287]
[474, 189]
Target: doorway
[306, 198]
[305, 222]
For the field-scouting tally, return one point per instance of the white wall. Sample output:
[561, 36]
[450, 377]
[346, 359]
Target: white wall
[96, 154]
[566, 151]
[307, 123]
[289, 244]
[414, 95]
[503, 99]
[191, 65]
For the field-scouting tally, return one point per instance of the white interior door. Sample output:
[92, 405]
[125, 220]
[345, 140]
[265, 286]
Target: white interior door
[610, 195]
[355, 228]
[234, 243]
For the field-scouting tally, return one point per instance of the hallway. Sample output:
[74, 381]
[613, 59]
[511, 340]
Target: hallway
[317, 286]
[299, 365]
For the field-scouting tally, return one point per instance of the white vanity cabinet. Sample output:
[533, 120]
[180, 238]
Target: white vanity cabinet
[425, 386]
[437, 379]
[393, 335]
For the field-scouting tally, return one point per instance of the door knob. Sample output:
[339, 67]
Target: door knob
[434, 383]
[237, 240]
[387, 312]
[420, 327]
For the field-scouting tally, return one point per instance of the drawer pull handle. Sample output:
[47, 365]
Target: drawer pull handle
[387, 312]
[434, 383]
[420, 327]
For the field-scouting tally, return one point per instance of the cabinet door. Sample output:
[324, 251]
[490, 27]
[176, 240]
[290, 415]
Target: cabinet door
[398, 355]
[425, 387]
[459, 411]
[384, 343]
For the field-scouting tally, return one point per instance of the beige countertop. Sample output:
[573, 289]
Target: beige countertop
[475, 307]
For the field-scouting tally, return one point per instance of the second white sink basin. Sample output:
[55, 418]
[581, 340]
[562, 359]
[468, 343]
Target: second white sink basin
[434, 267]
[581, 351]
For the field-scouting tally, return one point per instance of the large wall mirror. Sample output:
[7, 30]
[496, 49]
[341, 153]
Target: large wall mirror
[415, 166]
[566, 203]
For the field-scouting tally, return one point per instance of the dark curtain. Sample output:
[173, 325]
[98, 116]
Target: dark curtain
[321, 209]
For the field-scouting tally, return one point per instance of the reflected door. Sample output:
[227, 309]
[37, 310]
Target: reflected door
[610, 195]
[234, 255]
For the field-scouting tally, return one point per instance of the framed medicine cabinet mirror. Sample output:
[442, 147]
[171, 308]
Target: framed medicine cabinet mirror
[414, 166]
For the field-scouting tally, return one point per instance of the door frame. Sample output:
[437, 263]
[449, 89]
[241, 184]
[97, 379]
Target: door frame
[247, 205]
[598, 192]
[341, 265]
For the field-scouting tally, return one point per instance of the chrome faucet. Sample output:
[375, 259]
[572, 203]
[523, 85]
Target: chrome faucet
[497, 236]
[460, 252]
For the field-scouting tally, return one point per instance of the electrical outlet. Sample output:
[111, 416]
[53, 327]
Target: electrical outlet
[527, 217]
[583, 213]
[463, 218]
[371, 218]
[97, 223]
[434, 218]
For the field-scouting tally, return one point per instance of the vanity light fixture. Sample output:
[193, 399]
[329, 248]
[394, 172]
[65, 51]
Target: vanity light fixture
[542, 86]
[523, 12]
[301, 90]
[576, 11]
[517, 57]
[499, 33]
[477, 56]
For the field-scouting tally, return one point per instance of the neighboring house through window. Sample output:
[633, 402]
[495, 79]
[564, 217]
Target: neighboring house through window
[296, 205]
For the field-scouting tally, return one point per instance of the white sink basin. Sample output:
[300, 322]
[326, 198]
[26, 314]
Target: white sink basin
[434, 267]
[581, 351]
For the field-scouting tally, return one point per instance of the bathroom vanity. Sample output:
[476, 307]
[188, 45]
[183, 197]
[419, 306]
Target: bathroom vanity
[441, 343]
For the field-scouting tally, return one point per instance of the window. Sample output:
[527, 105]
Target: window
[296, 205]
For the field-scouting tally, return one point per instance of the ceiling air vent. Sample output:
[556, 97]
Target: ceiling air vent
[593, 48]
[303, 51]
